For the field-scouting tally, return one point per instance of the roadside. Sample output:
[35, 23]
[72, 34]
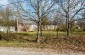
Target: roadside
[34, 51]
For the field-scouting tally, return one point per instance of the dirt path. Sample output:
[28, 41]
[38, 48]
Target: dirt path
[32, 51]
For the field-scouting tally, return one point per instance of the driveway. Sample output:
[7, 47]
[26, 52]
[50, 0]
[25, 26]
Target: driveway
[32, 51]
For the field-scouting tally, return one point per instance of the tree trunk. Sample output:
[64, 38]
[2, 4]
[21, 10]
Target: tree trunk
[41, 30]
[67, 26]
[57, 30]
[8, 30]
[67, 18]
[38, 32]
[0, 36]
[67, 29]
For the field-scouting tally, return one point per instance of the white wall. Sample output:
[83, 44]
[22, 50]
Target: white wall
[4, 28]
[33, 28]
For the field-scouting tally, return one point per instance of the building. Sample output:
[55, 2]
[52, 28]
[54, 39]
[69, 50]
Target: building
[26, 27]
[5, 28]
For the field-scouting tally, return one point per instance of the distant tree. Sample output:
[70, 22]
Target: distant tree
[44, 22]
[6, 18]
[83, 15]
[72, 26]
[58, 22]
[81, 21]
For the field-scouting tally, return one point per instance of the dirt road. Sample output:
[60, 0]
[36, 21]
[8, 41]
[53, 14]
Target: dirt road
[32, 51]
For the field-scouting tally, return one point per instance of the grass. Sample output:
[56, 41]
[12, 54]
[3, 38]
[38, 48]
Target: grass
[44, 33]
[51, 33]
[73, 43]
[4, 43]
[76, 40]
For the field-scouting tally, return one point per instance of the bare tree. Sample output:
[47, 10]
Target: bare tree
[58, 21]
[69, 9]
[36, 11]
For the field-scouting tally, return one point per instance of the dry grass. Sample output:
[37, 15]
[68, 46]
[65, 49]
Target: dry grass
[75, 42]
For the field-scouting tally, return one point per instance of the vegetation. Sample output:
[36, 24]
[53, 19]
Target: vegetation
[65, 15]
[74, 42]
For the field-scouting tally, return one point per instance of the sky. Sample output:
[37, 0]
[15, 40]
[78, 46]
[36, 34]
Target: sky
[3, 2]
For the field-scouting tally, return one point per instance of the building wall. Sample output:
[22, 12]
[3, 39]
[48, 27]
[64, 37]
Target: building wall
[27, 28]
[50, 27]
[4, 29]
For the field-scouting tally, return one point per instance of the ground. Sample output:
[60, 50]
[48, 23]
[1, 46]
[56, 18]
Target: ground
[33, 51]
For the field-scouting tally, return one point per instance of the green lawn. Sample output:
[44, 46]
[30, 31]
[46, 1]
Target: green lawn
[51, 33]
[44, 33]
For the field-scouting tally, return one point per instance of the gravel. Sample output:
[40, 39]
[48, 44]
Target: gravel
[32, 51]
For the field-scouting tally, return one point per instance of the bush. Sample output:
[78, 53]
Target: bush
[79, 30]
[17, 37]
[62, 28]
[71, 40]
[84, 29]
[10, 36]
